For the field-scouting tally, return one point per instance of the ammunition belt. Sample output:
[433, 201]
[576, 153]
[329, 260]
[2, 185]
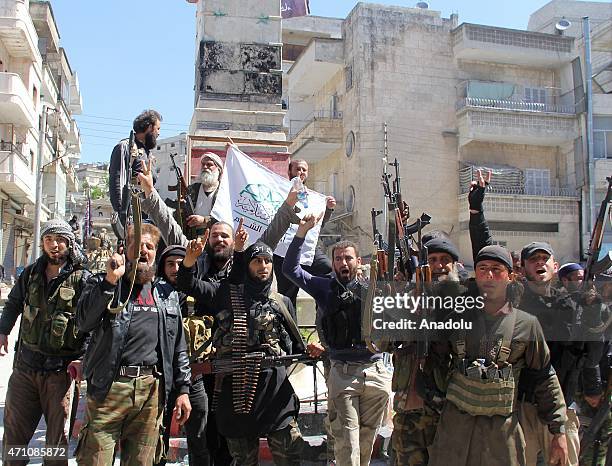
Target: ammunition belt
[245, 374]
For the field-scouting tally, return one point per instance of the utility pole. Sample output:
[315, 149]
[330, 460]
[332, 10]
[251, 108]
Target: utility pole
[586, 30]
[384, 199]
[39, 182]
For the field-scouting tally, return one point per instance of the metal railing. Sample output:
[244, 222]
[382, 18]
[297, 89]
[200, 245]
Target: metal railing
[16, 147]
[479, 102]
[295, 126]
[510, 96]
[524, 191]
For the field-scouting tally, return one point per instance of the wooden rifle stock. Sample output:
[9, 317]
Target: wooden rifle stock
[597, 235]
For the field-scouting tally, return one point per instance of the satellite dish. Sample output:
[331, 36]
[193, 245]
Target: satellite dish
[422, 5]
[562, 25]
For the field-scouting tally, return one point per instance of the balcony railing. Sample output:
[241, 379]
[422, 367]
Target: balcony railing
[16, 147]
[513, 38]
[296, 126]
[514, 105]
[510, 182]
[523, 191]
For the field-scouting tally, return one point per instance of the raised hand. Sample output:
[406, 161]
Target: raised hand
[292, 197]
[330, 202]
[195, 248]
[477, 191]
[241, 237]
[307, 224]
[146, 177]
[115, 268]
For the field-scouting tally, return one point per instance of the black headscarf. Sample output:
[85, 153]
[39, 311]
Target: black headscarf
[254, 289]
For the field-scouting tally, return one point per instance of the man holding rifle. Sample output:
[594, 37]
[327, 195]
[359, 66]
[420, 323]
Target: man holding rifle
[135, 357]
[146, 128]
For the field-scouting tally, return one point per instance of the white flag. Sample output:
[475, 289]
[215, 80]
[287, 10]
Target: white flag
[254, 192]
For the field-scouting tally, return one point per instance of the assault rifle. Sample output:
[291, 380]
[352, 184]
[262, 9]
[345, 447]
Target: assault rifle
[133, 214]
[222, 365]
[184, 203]
[593, 267]
[403, 232]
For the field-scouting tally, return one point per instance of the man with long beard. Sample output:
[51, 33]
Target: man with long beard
[45, 297]
[135, 357]
[204, 192]
[146, 128]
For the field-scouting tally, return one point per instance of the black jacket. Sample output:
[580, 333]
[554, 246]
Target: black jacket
[103, 357]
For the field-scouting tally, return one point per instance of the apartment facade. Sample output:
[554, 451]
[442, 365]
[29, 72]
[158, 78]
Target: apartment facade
[35, 78]
[455, 98]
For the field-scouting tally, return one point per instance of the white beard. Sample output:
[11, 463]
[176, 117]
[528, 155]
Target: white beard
[209, 180]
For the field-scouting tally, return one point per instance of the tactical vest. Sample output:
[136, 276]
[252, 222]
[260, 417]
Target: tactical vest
[49, 326]
[481, 390]
[198, 334]
[342, 321]
[265, 329]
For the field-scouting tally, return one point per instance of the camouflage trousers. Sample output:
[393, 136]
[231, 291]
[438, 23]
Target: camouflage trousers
[130, 415]
[31, 394]
[413, 433]
[286, 446]
[595, 454]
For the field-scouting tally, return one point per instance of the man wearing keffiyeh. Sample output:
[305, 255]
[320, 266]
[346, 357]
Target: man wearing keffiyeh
[45, 297]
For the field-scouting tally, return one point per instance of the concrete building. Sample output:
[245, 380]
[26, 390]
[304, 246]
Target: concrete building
[93, 178]
[164, 170]
[33, 71]
[571, 13]
[455, 97]
[238, 82]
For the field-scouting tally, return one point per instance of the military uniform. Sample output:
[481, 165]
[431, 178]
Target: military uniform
[479, 422]
[48, 341]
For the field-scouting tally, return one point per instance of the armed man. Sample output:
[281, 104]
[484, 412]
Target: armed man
[136, 355]
[253, 400]
[563, 318]
[45, 296]
[198, 336]
[146, 128]
[359, 384]
[213, 266]
[503, 343]
[419, 382]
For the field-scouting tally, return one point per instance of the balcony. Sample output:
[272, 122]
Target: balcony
[46, 27]
[16, 105]
[321, 60]
[72, 180]
[317, 137]
[497, 124]
[75, 105]
[50, 91]
[62, 119]
[16, 178]
[500, 45]
[17, 31]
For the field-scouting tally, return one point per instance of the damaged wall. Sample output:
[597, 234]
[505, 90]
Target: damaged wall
[239, 71]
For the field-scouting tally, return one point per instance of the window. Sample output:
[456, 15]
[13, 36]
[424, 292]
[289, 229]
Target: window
[602, 137]
[171, 144]
[535, 95]
[537, 181]
[348, 77]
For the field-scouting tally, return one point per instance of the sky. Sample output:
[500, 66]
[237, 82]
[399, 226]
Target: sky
[131, 55]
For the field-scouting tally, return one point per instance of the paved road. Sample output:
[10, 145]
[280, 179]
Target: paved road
[6, 364]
